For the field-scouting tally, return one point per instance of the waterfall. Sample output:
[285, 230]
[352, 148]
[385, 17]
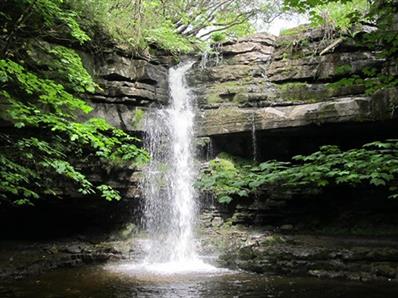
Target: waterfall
[254, 139]
[168, 187]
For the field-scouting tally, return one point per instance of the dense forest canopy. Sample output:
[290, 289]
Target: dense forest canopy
[42, 77]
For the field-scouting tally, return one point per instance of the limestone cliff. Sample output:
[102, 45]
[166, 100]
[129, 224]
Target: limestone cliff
[129, 85]
[269, 82]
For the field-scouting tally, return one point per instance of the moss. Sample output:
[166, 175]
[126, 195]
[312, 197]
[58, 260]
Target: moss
[299, 91]
[227, 91]
[241, 98]
[273, 239]
[288, 86]
[343, 69]
[293, 31]
[294, 43]
[138, 117]
[349, 84]
[213, 98]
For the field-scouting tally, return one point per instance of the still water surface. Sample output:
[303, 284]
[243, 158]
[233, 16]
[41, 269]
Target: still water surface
[104, 282]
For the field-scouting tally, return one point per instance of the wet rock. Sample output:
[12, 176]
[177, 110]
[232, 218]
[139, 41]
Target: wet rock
[313, 255]
[116, 68]
[217, 222]
[322, 67]
[348, 109]
[385, 270]
[43, 257]
[128, 86]
[286, 228]
[72, 249]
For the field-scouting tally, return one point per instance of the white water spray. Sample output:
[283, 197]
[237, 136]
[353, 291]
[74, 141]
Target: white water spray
[170, 196]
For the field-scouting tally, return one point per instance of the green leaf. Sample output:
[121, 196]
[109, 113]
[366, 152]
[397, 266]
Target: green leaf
[225, 199]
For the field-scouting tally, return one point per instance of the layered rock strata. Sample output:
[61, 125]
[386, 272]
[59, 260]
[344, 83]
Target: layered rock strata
[266, 82]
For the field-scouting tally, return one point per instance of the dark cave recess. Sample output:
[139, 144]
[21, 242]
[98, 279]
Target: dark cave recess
[283, 144]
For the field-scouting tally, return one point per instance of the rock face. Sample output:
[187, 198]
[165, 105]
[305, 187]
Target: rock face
[266, 83]
[19, 260]
[239, 77]
[327, 257]
[262, 82]
[346, 109]
[128, 86]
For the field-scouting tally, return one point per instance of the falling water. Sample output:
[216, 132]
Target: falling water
[210, 150]
[254, 139]
[204, 60]
[170, 196]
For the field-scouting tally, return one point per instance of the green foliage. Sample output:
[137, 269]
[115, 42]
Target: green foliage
[45, 146]
[218, 37]
[343, 69]
[108, 193]
[374, 164]
[293, 31]
[345, 15]
[166, 38]
[139, 115]
[41, 103]
[68, 64]
[225, 177]
[340, 16]
[371, 84]
[135, 24]
[383, 13]
[41, 15]
[178, 26]
[240, 30]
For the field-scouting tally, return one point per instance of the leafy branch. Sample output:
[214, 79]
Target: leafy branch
[374, 164]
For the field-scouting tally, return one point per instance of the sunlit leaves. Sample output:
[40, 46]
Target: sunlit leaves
[374, 164]
[43, 152]
[108, 193]
[68, 63]
[340, 16]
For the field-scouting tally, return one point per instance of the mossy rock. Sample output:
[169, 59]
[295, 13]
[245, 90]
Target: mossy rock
[139, 115]
[311, 93]
[230, 91]
[294, 31]
[303, 92]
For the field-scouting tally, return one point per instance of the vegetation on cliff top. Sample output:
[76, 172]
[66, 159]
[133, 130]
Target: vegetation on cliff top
[178, 26]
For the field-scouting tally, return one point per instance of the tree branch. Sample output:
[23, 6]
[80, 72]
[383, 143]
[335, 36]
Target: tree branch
[221, 28]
